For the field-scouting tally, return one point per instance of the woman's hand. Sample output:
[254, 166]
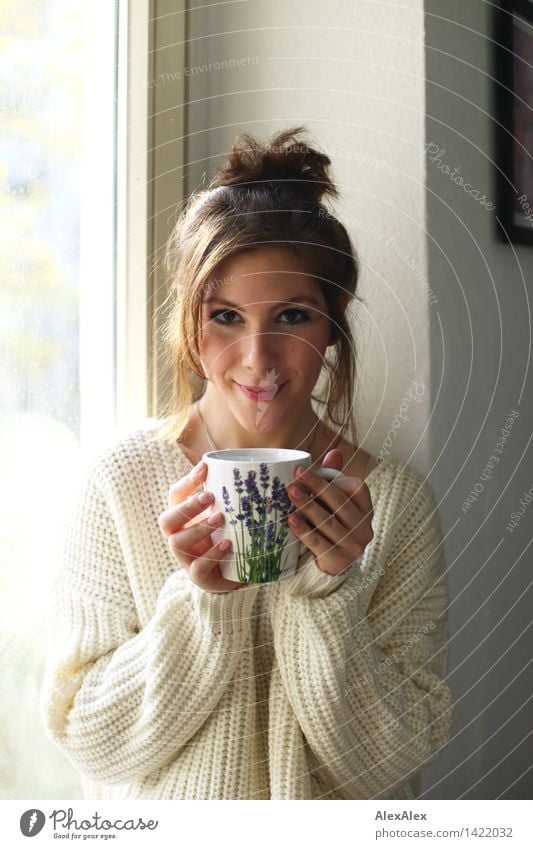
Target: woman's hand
[189, 540]
[333, 518]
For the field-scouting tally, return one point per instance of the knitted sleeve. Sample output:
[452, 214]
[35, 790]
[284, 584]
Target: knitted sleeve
[364, 672]
[121, 700]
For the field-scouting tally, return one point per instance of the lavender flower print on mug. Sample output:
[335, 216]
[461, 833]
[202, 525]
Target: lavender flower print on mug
[263, 512]
[250, 489]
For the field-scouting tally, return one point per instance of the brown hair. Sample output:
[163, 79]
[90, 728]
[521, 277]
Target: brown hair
[265, 195]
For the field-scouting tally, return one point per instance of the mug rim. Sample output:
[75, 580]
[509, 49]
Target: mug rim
[296, 455]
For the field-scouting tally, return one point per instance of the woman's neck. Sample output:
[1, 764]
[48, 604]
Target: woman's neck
[194, 441]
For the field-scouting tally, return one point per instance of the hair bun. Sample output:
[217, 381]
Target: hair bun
[285, 158]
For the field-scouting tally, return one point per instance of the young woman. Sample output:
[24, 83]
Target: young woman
[165, 680]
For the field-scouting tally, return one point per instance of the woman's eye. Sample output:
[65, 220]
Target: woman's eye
[222, 316]
[293, 316]
[302, 316]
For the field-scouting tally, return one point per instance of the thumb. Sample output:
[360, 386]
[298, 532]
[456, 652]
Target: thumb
[333, 459]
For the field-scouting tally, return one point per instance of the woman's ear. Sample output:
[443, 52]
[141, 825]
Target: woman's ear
[343, 302]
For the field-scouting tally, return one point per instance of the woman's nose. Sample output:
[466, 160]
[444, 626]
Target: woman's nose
[258, 351]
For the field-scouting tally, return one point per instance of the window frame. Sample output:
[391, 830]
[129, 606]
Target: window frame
[149, 189]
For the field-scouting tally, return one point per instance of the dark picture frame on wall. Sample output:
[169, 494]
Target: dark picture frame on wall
[513, 86]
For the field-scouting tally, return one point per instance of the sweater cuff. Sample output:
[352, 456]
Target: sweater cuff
[310, 581]
[224, 613]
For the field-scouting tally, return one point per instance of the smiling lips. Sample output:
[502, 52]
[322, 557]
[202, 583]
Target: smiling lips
[257, 393]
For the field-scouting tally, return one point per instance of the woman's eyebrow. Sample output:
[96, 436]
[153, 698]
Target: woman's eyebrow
[296, 299]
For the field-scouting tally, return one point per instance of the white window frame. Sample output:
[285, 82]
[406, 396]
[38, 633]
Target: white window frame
[130, 193]
[150, 159]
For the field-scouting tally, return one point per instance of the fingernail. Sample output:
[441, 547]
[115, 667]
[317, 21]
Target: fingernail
[197, 469]
[224, 545]
[302, 473]
[215, 519]
[206, 497]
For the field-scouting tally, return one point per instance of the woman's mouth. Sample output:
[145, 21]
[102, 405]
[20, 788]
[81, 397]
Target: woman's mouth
[261, 393]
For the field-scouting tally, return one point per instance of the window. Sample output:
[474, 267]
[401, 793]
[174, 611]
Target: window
[57, 202]
[91, 175]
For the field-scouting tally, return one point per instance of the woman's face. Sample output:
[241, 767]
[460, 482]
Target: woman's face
[265, 330]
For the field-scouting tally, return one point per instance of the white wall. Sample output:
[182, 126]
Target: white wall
[354, 74]
[480, 354]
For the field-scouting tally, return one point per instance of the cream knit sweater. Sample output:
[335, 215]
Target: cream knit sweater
[315, 687]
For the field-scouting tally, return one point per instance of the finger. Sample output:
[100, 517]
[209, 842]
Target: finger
[316, 486]
[184, 487]
[358, 522]
[200, 548]
[328, 491]
[337, 531]
[183, 541]
[333, 459]
[175, 517]
[205, 570]
[359, 493]
[329, 554]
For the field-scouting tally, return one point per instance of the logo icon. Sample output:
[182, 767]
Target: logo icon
[269, 388]
[32, 822]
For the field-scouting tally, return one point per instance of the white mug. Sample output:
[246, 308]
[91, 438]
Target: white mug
[250, 490]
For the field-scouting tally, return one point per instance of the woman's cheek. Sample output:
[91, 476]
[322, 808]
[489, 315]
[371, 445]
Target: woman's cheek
[211, 342]
[308, 351]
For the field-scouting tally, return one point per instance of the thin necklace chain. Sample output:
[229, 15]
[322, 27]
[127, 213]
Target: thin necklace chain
[198, 404]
